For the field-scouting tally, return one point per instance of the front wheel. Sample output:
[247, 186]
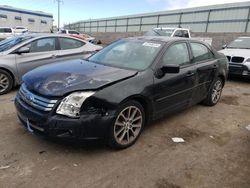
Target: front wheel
[214, 94]
[128, 125]
[6, 82]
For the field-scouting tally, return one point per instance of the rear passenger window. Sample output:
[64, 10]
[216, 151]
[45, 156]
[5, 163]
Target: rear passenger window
[67, 43]
[201, 52]
[181, 33]
[177, 54]
[5, 30]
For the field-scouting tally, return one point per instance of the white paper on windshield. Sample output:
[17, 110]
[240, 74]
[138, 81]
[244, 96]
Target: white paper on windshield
[238, 40]
[149, 44]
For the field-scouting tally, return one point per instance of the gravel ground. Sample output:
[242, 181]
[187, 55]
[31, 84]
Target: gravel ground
[216, 152]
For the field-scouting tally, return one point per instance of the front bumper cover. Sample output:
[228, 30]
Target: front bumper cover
[89, 126]
[240, 70]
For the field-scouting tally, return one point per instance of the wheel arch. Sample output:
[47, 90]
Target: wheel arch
[146, 104]
[222, 77]
[11, 74]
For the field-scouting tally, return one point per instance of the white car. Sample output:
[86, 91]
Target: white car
[238, 55]
[20, 29]
[6, 32]
[169, 32]
[175, 32]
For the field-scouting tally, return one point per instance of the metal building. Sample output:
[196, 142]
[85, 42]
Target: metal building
[35, 21]
[233, 17]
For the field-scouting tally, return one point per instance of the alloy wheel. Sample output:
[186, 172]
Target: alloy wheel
[4, 82]
[128, 125]
[216, 93]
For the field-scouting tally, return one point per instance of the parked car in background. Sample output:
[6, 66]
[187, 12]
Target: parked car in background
[66, 31]
[76, 34]
[23, 53]
[20, 29]
[175, 32]
[238, 55]
[87, 38]
[6, 32]
[118, 90]
[169, 32]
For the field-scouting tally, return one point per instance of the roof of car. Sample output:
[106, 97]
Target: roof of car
[45, 35]
[161, 38]
[6, 27]
[173, 28]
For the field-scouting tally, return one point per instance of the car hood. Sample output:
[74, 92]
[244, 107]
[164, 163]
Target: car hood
[62, 78]
[236, 52]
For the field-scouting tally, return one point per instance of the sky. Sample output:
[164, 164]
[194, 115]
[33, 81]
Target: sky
[75, 10]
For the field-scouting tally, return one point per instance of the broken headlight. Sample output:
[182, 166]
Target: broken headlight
[71, 105]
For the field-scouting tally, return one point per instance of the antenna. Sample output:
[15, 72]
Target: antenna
[58, 6]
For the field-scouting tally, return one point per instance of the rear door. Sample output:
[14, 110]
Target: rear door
[206, 65]
[174, 91]
[42, 51]
[71, 49]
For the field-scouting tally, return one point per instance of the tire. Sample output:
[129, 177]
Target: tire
[127, 126]
[6, 82]
[214, 93]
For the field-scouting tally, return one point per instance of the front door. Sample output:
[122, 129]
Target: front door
[42, 51]
[174, 91]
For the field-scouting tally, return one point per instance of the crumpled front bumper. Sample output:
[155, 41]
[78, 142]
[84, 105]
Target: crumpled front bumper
[92, 126]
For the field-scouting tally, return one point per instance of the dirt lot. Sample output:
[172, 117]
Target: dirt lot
[216, 152]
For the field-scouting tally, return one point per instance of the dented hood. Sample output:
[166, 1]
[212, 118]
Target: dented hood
[64, 77]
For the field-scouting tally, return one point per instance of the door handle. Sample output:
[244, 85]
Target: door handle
[54, 56]
[190, 74]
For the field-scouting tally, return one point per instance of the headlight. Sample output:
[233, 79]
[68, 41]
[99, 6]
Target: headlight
[71, 105]
[248, 60]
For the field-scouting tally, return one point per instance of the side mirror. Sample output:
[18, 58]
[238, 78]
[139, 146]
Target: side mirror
[172, 69]
[224, 46]
[23, 50]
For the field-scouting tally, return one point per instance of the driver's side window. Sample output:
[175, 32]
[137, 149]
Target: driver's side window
[176, 54]
[42, 45]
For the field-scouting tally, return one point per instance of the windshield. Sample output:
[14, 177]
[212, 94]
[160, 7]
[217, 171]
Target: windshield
[240, 43]
[160, 32]
[136, 55]
[11, 42]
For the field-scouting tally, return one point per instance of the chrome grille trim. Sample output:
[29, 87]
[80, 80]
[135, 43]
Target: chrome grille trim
[36, 101]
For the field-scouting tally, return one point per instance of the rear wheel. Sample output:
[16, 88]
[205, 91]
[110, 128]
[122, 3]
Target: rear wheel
[127, 126]
[214, 94]
[6, 82]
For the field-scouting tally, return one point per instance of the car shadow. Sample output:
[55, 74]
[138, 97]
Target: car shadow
[239, 79]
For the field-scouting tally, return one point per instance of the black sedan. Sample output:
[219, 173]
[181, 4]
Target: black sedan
[120, 89]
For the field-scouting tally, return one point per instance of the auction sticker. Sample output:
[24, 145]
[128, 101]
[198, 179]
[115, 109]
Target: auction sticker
[149, 44]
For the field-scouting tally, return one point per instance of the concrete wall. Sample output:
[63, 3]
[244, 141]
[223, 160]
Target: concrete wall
[219, 39]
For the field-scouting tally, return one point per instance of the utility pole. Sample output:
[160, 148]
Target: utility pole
[58, 6]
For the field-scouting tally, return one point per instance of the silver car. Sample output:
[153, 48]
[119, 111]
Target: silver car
[21, 54]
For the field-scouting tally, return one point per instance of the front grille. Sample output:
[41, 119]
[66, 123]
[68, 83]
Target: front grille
[238, 59]
[36, 101]
[229, 58]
